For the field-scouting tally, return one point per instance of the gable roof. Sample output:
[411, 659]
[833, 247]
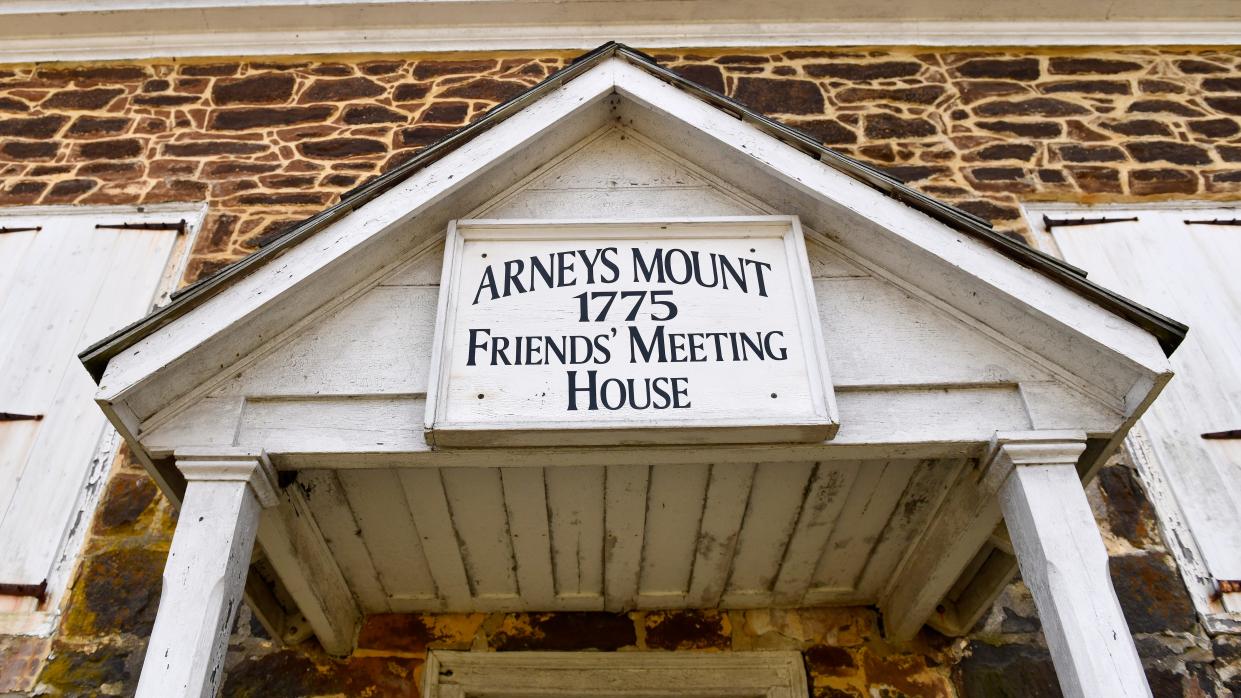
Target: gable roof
[1168, 332]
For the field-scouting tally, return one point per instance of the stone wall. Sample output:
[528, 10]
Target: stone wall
[266, 142]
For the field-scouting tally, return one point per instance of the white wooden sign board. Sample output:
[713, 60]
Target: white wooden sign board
[628, 332]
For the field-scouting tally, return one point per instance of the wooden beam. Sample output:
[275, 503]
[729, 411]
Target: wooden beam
[206, 572]
[964, 523]
[300, 557]
[1064, 564]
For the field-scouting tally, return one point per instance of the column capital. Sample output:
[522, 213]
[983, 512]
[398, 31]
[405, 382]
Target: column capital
[232, 465]
[1010, 449]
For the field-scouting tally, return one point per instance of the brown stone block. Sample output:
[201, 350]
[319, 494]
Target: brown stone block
[50, 170]
[1074, 65]
[1090, 153]
[341, 90]
[1096, 180]
[1006, 670]
[486, 89]
[83, 670]
[1000, 179]
[564, 632]
[332, 70]
[1034, 106]
[245, 118]
[825, 660]
[263, 88]
[1163, 106]
[294, 673]
[288, 181]
[976, 90]
[419, 136]
[1152, 86]
[33, 127]
[13, 105]
[285, 198]
[127, 504]
[688, 629]
[229, 187]
[158, 85]
[921, 94]
[172, 168]
[415, 634]
[176, 190]
[1005, 68]
[85, 126]
[1151, 593]
[226, 169]
[1138, 127]
[94, 73]
[737, 59]
[445, 113]
[1225, 181]
[425, 70]
[829, 131]
[69, 190]
[339, 181]
[114, 149]
[1193, 66]
[1004, 151]
[881, 70]
[887, 126]
[194, 149]
[129, 171]
[117, 592]
[1168, 151]
[709, 76]
[1028, 129]
[82, 100]
[410, 92]
[903, 675]
[210, 69]
[336, 148]
[1096, 87]
[356, 114]
[381, 67]
[884, 153]
[28, 150]
[1228, 84]
[1215, 128]
[165, 100]
[22, 192]
[916, 173]
[988, 210]
[1163, 181]
[1227, 105]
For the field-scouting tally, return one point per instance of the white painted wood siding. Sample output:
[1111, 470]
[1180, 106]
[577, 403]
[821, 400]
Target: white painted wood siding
[61, 288]
[1188, 272]
[610, 537]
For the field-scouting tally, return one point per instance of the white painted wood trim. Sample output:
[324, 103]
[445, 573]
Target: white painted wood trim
[206, 572]
[94, 31]
[1065, 565]
[537, 674]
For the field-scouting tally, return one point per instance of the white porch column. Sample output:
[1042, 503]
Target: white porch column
[1064, 564]
[206, 571]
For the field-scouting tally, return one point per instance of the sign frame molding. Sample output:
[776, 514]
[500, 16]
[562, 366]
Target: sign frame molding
[753, 429]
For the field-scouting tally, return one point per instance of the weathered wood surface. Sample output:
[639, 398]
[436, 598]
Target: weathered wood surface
[614, 537]
[1065, 565]
[205, 572]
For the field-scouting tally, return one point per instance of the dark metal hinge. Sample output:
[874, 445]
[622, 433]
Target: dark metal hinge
[1215, 221]
[35, 229]
[15, 417]
[179, 227]
[38, 591]
[1228, 434]
[1049, 222]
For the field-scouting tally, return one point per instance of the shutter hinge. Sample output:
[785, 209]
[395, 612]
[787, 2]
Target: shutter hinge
[15, 417]
[38, 591]
[179, 227]
[34, 229]
[1049, 222]
[1229, 434]
[1215, 221]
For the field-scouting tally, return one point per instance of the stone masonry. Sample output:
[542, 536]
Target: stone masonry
[267, 142]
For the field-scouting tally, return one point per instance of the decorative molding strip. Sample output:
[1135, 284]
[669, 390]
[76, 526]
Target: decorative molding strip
[84, 31]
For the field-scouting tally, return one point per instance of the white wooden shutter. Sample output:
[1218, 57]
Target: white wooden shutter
[1190, 272]
[63, 287]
